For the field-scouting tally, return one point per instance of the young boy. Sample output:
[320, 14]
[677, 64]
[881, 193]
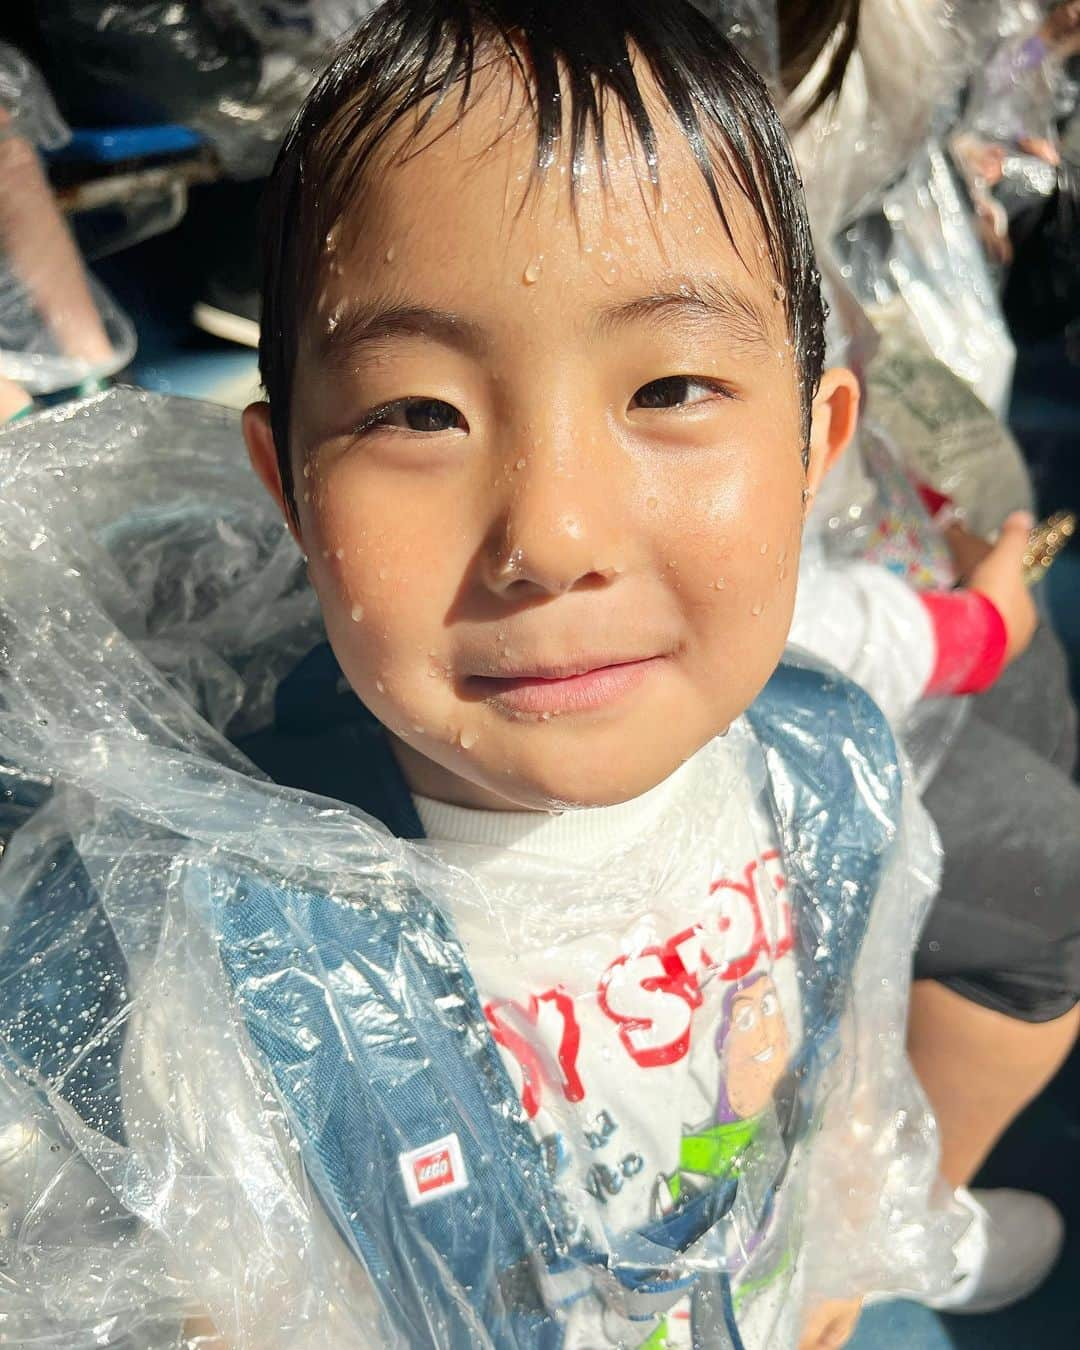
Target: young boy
[542, 345]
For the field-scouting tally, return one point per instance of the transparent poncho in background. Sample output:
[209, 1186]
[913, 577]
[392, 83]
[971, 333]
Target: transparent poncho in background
[152, 599]
[58, 326]
[884, 181]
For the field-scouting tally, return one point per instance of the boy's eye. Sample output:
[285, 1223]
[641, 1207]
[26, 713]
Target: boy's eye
[415, 414]
[676, 391]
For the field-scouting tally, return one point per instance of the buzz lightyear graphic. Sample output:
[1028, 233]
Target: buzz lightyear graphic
[741, 1150]
[754, 1048]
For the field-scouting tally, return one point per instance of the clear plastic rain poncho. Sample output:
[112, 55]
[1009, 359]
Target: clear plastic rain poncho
[944, 125]
[245, 1070]
[58, 326]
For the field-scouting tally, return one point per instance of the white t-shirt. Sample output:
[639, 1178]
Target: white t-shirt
[645, 1028]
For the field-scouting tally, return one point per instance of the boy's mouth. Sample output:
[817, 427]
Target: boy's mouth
[560, 689]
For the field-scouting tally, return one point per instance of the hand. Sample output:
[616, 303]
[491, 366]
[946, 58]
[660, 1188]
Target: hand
[996, 570]
[830, 1325]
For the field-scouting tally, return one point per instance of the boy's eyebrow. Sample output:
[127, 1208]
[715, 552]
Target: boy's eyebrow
[693, 302]
[355, 324]
[696, 302]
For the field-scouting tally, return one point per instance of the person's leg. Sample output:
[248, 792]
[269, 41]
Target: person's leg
[1031, 702]
[997, 977]
[997, 972]
[979, 1068]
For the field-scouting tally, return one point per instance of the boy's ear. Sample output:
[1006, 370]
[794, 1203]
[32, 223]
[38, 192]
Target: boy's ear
[832, 423]
[262, 452]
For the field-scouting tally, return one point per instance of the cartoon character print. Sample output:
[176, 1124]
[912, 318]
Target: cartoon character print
[753, 1046]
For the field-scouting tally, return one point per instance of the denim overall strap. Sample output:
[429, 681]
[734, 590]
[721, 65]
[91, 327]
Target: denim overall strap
[835, 792]
[410, 1126]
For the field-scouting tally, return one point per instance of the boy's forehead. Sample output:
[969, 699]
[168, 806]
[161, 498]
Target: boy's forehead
[462, 210]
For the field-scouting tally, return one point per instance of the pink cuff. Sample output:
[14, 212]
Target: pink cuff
[971, 640]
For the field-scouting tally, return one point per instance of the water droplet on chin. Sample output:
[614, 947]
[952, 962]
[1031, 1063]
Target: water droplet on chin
[467, 738]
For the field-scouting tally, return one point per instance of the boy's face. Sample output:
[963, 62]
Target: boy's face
[548, 463]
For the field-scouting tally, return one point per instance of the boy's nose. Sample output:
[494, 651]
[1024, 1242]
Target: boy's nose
[557, 533]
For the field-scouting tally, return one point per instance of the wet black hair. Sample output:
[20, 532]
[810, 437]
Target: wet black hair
[805, 28]
[576, 59]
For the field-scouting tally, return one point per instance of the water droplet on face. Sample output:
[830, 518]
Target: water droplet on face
[389, 255]
[339, 553]
[718, 584]
[380, 686]
[520, 464]
[531, 275]
[356, 613]
[778, 292]
[756, 609]
[764, 549]
[652, 503]
[467, 738]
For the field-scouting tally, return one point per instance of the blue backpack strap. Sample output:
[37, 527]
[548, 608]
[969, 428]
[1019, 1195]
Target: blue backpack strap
[63, 988]
[410, 1127]
[835, 788]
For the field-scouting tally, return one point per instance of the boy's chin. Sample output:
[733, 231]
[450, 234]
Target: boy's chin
[583, 785]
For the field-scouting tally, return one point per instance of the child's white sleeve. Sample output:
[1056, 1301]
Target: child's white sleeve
[870, 625]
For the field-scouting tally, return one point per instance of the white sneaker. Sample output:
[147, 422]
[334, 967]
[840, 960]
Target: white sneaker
[1008, 1250]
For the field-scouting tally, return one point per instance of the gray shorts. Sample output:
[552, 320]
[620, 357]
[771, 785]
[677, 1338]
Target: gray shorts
[1004, 930]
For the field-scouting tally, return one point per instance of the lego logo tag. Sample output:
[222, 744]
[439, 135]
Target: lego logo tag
[434, 1170]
